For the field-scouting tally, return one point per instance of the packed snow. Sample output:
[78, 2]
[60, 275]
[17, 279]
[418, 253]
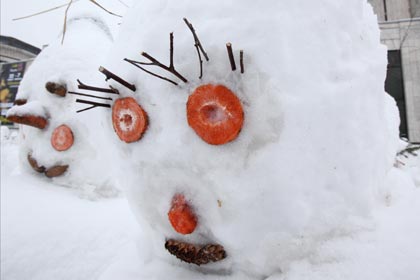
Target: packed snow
[86, 43]
[311, 187]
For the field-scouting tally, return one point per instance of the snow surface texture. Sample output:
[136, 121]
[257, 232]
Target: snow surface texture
[47, 233]
[319, 138]
[86, 43]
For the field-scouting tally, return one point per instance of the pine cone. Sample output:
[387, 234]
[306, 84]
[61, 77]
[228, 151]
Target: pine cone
[195, 254]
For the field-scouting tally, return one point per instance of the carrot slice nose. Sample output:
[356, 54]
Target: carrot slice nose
[215, 113]
[129, 119]
[62, 138]
[181, 216]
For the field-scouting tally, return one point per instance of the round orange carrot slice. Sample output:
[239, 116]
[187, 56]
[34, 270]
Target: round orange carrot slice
[62, 138]
[215, 114]
[181, 216]
[129, 119]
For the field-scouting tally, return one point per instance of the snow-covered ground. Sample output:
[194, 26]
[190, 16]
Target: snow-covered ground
[51, 232]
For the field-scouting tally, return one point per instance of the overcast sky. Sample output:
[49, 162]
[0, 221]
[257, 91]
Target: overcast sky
[42, 29]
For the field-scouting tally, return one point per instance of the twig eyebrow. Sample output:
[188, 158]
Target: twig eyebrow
[198, 46]
[155, 62]
[241, 61]
[110, 75]
[232, 58]
[90, 95]
[230, 55]
[94, 105]
[91, 88]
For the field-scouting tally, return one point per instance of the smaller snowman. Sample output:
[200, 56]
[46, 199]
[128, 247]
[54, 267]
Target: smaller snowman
[56, 139]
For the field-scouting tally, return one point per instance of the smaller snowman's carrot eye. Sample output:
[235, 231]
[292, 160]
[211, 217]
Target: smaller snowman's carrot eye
[62, 138]
[215, 114]
[129, 119]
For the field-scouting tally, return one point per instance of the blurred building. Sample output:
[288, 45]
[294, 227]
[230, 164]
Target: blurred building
[15, 58]
[399, 21]
[12, 50]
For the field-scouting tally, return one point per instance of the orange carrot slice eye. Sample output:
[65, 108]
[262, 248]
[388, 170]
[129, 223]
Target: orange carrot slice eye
[129, 119]
[62, 138]
[215, 113]
[181, 216]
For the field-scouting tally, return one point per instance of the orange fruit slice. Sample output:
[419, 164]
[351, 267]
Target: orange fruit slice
[181, 216]
[62, 138]
[215, 113]
[129, 119]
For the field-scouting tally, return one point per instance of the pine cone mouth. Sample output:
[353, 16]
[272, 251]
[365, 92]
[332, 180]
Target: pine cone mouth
[195, 254]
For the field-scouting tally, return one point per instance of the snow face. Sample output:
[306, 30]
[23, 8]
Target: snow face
[86, 43]
[318, 138]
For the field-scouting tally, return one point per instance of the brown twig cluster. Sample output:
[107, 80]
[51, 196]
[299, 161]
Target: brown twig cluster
[232, 58]
[83, 86]
[155, 62]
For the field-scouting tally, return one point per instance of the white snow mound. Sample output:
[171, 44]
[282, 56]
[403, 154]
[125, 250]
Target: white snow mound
[319, 136]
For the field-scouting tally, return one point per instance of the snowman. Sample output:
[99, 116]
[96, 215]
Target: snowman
[56, 139]
[251, 133]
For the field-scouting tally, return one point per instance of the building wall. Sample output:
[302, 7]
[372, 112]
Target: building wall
[415, 8]
[389, 10]
[398, 9]
[12, 54]
[401, 31]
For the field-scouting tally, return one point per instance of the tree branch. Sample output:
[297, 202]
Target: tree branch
[65, 20]
[110, 75]
[45, 11]
[109, 12]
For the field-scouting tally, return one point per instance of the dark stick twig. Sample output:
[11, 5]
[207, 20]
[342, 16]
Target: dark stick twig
[137, 64]
[198, 46]
[201, 62]
[241, 61]
[94, 104]
[231, 58]
[155, 62]
[106, 90]
[110, 75]
[89, 95]
[197, 41]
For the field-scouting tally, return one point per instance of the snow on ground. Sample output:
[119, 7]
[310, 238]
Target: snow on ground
[52, 232]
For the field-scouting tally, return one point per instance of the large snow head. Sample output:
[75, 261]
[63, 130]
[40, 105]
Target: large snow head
[246, 171]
